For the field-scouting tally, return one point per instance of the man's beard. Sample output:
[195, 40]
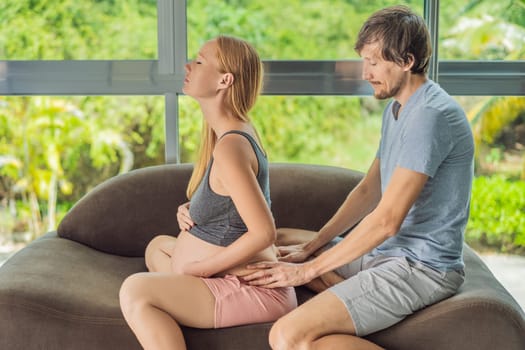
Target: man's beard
[383, 95]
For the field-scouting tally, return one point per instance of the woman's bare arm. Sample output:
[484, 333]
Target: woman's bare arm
[233, 167]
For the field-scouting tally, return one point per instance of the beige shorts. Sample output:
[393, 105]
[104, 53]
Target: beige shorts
[384, 290]
[237, 303]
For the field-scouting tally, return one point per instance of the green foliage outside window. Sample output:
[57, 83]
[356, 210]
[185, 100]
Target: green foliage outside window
[54, 149]
[497, 217]
[70, 29]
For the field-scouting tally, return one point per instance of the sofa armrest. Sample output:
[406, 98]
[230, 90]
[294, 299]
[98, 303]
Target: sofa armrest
[481, 315]
[121, 215]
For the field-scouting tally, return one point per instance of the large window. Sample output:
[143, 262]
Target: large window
[84, 83]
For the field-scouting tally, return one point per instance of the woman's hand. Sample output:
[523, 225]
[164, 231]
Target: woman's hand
[293, 253]
[183, 217]
[279, 274]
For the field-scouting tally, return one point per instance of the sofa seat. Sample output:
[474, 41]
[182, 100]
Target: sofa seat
[61, 291]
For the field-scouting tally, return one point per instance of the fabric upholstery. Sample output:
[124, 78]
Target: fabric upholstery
[121, 215]
[61, 293]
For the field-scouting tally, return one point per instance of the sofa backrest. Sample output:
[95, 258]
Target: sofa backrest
[121, 215]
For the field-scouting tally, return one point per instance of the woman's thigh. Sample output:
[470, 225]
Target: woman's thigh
[185, 298]
[291, 236]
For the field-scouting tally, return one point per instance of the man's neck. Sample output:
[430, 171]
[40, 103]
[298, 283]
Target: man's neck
[413, 83]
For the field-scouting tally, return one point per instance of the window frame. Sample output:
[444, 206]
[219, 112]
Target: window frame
[165, 75]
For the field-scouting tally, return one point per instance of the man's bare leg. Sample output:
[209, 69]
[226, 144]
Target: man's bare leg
[322, 322]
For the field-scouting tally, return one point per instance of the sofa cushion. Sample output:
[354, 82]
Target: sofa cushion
[55, 293]
[60, 294]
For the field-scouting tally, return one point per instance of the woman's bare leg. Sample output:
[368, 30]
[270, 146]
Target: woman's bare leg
[158, 253]
[291, 236]
[320, 323]
[155, 304]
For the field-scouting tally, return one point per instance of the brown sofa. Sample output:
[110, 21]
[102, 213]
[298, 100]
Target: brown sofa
[61, 291]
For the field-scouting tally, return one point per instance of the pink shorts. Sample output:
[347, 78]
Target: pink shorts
[237, 303]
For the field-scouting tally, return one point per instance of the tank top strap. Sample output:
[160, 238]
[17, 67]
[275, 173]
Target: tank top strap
[254, 143]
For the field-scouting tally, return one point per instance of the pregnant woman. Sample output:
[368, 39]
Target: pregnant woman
[196, 279]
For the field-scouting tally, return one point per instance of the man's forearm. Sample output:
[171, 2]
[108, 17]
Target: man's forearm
[359, 203]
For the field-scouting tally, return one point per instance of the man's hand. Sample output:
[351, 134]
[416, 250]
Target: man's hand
[278, 274]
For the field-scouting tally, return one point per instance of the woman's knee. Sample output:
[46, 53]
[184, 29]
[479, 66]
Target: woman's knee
[155, 244]
[132, 294]
[153, 248]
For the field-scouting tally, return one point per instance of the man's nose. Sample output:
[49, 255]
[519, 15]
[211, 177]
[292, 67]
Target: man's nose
[365, 73]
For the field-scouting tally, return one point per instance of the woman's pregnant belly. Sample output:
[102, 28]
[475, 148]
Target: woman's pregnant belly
[189, 248]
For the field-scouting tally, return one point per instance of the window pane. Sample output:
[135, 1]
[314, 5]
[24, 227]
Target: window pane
[344, 131]
[286, 30]
[482, 30]
[497, 219]
[55, 149]
[70, 29]
[334, 130]
[498, 125]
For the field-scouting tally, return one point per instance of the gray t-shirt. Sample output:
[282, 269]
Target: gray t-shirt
[431, 136]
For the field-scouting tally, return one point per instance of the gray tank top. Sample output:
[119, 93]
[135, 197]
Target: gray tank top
[216, 219]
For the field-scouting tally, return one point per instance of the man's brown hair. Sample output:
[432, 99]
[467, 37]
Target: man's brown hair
[402, 35]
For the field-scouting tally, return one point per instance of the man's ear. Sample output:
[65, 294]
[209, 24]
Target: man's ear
[226, 81]
[409, 62]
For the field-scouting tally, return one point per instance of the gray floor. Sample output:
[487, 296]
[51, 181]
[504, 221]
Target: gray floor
[508, 269]
[4, 256]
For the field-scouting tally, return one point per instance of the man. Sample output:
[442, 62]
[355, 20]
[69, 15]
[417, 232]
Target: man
[409, 211]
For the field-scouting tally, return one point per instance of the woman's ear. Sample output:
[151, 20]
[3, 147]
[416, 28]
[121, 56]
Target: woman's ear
[226, 81]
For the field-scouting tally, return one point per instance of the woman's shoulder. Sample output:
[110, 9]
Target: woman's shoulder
[233, 145]
[232, 152]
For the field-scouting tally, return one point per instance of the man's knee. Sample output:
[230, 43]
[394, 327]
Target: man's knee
[285, 335]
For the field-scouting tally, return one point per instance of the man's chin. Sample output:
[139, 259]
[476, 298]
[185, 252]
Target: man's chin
[381, 95]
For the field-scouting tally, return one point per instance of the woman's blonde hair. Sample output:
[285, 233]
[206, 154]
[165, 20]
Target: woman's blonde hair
[239, 58]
